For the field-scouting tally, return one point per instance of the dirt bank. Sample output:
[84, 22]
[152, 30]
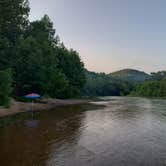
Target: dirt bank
[44, 104]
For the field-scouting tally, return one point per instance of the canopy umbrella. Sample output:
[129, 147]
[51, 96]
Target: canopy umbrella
[32, 96]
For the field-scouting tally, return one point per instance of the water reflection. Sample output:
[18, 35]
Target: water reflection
[30, 143]
[128, 131]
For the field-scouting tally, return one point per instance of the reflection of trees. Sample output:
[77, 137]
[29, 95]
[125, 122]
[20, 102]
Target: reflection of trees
[29, 143]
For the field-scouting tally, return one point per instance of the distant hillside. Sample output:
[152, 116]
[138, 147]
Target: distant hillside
[130, 75]
[101, 84]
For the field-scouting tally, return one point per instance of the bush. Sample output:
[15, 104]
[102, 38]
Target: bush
[5, 87]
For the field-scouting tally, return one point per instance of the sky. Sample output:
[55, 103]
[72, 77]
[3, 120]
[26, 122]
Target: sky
[110, 34]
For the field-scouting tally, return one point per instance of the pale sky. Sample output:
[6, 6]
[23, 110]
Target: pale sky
[110, 34]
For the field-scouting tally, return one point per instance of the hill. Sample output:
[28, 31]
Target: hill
[130, 75]
[101, 84]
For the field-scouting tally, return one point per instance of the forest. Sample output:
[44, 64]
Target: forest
[34, 59]
[126, 82]
[154, 87]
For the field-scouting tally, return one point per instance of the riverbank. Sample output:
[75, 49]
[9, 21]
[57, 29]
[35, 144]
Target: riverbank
[43, 104]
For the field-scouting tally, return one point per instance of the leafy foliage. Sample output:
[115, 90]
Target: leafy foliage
[13, 18]
[161, 75]
[34, 53]
[73, 68]
[101, 84]
[5, 87]
[156, 87]
[13, 22]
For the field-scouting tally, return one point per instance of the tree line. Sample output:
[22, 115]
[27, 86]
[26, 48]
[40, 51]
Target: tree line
[154, 87]
[126, 83]
[101, 84]
[32, 57]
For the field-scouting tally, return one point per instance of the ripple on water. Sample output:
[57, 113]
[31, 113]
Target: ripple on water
[128, 131]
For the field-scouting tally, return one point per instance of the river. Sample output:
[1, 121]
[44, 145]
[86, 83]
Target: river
[125, 131]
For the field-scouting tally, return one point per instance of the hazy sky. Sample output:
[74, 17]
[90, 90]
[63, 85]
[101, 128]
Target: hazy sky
[110, 34]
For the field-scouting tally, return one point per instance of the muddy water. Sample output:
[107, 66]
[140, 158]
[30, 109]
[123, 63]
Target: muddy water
[126, 132]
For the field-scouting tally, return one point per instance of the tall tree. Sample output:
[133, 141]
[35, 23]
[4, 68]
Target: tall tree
[36, 68]
[43, 29]
[13, 18]
[13, 22]
[72, 66]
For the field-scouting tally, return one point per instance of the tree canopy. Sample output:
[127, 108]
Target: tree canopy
[101, 84]
[155, 87]
[34, 53]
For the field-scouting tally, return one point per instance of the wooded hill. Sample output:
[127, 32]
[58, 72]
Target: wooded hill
[130, 75]
[125, 82]
[114, 84]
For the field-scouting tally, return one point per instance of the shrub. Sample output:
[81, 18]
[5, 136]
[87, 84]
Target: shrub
[5, 87]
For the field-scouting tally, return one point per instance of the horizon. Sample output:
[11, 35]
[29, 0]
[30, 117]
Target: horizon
[111, 35]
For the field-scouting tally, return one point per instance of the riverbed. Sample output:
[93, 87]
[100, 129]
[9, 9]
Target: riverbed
[116, 131]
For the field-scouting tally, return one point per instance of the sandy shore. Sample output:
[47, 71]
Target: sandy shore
[44, 104]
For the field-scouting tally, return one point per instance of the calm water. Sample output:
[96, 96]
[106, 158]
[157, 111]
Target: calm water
[127, 132]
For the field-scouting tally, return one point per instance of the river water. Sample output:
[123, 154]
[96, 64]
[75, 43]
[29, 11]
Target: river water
[126, 132]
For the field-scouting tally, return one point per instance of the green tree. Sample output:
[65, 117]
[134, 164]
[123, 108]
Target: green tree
[38, 61]
[5, 87]
[101, 84]
[73, 68]
[13, 18]
[151, 89]
[13, 22]
[36, 72]
[36, 68]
